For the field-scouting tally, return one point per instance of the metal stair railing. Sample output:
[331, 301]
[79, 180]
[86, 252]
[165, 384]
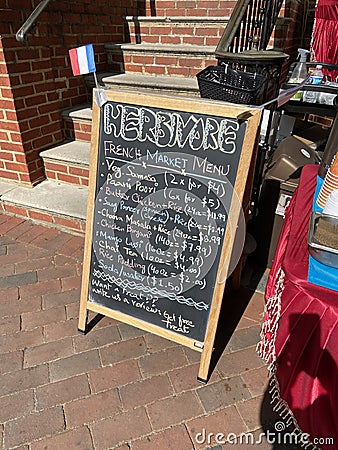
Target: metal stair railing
[243, 47]
[250, 21]
[31, 21]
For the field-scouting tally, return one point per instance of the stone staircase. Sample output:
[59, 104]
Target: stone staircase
[164, 53]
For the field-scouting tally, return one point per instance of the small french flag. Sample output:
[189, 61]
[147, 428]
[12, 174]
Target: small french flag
[82, 59]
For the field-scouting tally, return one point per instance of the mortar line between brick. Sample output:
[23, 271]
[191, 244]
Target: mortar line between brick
[191, 439]
[64, 418]
[89, 384]
[240, 415]
[91, 435]
[35, 399]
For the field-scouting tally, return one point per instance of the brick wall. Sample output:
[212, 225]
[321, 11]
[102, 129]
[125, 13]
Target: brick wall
[202, 8]
[36, 82]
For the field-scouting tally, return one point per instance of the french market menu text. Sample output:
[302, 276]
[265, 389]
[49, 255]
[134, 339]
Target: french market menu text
[163, 192]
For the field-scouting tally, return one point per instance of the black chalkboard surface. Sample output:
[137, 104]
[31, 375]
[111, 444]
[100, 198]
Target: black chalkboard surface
[161, 196]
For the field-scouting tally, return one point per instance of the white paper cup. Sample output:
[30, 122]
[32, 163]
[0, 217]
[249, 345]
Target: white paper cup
[331, 205]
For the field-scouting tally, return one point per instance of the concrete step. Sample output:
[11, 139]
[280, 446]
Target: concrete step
[51, 203]
[182, 60]
[149, 83]
[68, 162]
[176, 30]
[77, 123]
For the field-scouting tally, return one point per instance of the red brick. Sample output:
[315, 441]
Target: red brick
[36, 252]
[250, 411]
[256, 380]
[68, 223]
[93, 408]
[71, 283]
[115, 375]
[157, 343]
[54, 241]
[239, 362]
[34, 264]
[10, 362]
[21, 340]
[223, 393]
[59, 330]
[174, 438]
[16, 247]
[255, 307]
[78, 438]
[61, 298]
[61, 260]
[185, 378]
[129, 332]
[161, 362]
[71, 179]
[40, 216]
[145, 391]
[16, 405]
[30, 235]
[11, 306]
[72, 310]
[42, 288]
[10, 176]
[23, 379]
[244, 337]
[79, 171]
[13, 258]
[73, 246]
[53, 272]
[12, 222]
[53, 394]
[173, 410]
[123, 350]
[9, 325]
[48, 352]
[18, 280]
[33, 426]
[96, 338]
[74, 365]
[225, 421]
[121, 427]
[31, 320]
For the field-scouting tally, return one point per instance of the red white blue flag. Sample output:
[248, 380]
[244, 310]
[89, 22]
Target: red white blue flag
[82, 59]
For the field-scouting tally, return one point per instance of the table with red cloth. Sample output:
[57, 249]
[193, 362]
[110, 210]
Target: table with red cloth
[299, 336]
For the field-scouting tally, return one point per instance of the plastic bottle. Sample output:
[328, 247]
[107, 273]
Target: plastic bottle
[317, 75]
[316, 78]
[299, 72]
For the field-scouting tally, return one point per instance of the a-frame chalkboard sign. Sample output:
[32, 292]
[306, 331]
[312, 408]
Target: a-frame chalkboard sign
[167, 177]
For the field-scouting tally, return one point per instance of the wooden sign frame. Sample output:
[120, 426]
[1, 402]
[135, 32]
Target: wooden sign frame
[251, 116]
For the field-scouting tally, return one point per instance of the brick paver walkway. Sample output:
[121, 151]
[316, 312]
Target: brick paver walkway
[116, 387]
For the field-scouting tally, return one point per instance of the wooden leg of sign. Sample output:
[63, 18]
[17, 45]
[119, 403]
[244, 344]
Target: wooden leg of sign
[201, 380]
[83, 317]
[203, 372]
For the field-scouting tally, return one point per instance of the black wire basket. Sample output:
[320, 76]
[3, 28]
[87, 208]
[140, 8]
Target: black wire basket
[234, 86]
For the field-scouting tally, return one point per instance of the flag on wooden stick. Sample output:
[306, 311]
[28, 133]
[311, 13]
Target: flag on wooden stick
[82, 59]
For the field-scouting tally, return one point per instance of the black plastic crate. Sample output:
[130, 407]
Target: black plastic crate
[235, 86]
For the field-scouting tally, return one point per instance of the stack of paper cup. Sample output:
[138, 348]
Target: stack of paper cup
[330, 183]
[331, 205]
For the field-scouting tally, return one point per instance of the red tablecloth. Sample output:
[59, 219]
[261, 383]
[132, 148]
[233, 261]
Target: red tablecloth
[300, 329]
[325, 34]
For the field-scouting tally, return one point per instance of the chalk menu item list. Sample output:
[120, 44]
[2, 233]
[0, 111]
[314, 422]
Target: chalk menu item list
[164, 187]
